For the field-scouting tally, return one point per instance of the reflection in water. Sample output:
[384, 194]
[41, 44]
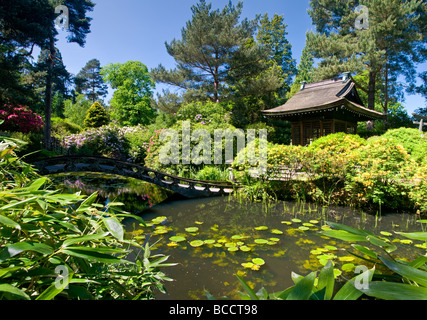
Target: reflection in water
[224, 224]
[212, 238]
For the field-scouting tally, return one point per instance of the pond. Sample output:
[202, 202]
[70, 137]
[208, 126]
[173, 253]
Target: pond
[214, 239]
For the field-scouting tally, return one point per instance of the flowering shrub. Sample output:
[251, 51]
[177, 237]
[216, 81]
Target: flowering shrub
[106, 141]
[20, 119]
[348, 170]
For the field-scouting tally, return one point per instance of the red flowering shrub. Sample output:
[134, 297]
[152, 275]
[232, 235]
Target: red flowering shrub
[19, 119]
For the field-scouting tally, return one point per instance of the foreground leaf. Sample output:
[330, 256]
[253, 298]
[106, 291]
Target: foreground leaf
[395, 291]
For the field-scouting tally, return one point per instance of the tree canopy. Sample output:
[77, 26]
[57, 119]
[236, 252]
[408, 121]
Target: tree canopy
[389, 44]
[131, 103]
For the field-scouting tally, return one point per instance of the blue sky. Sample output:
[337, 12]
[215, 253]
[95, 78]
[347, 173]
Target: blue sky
[124, 30]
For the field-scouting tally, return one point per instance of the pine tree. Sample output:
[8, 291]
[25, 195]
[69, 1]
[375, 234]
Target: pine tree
[90, 83]
[304, 72]
[272, 34]
[218, 57]
[387, 45]
[96, 116]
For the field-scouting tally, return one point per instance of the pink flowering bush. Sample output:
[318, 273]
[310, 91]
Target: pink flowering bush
[108, 141]
[19, 119]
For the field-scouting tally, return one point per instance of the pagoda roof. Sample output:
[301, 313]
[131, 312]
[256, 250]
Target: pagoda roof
[325, 96]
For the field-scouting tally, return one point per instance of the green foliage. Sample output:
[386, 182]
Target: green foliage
[96, 116]
[342, 169]
[76, 111]
[390, 46]
[66, 246]
[90, 83]
[133, 92]
[64, 127]
[412, 140]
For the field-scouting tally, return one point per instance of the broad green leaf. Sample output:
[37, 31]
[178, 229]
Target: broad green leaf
[37, 184]
[87, 202]
[248, 289]
[347, 228]
[365, 250]
[17, 204]
[344, 235]
[93, 255]
[327, 280]
[74, 240]
[303, 289]
[411, 273]
[395, 291]
[418, 262]
[349, 291]
[415, 235]
[380, 243]
[115, 227]
[9, 222]
[14, 291]
[16, 248]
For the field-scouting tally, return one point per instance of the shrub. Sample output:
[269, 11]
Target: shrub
[106, 141]
[96, 116]
[19, 119]
[64, 127]
[412, 140]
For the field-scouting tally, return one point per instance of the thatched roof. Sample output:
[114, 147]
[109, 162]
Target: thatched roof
[325, 96]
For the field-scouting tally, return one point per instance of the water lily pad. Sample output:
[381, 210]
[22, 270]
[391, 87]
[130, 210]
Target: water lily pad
[172, 244]
[159, 220]
[210, 241]
[307, 224]
[346, 259]
[245, 248]
[218, 245]
[261, 241]
[406, 241]
[248, 265]
[385, 233]
[197, 243]
[314, 221]
[303, 228]
[177, 239]
[260, 228]
[276, 231]
[337, 273]
[331, 248]
[192, 229]
[258, 261]
[348, 267]
[161, 230]
[233, 249]
[198, 222]
[287, 222]
[296, 220]
[271, 243]
[238, 237]
[274, 239]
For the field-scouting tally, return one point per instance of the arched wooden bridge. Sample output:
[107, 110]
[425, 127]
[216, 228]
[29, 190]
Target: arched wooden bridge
[186, 187]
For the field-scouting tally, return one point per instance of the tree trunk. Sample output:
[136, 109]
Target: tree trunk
[48, 96]
[371, 97]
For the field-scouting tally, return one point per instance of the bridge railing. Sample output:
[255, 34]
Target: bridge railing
[100, 164]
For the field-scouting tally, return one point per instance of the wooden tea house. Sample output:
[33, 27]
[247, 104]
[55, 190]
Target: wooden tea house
[323, 108]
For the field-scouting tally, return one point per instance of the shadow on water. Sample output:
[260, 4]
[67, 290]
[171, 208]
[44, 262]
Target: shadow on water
[212, 239]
